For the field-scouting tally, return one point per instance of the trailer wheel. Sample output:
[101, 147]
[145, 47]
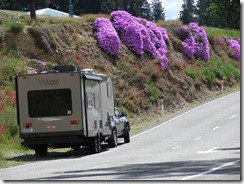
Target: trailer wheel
[113, 142]
[127, 135]
[41, 151]
[95, 144]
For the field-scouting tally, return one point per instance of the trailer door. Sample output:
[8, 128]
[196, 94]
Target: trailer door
[93, 104]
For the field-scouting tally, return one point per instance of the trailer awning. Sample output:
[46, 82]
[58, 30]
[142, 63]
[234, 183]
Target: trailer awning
[92, 77]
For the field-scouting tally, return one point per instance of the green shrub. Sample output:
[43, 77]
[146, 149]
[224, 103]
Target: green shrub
[10, 67]
[194, 73]
[209, 75]
[13, 26]
[152, 92]
[177, 43]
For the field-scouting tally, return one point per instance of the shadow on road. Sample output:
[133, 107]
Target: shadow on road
[150, 171]
[54, 154]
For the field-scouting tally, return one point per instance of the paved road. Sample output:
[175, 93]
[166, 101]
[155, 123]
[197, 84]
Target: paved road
[201, 144]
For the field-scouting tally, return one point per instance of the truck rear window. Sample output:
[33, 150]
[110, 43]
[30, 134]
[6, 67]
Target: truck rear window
[44, 103]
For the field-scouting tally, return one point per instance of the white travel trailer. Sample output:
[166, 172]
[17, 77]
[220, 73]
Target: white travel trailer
[68, 108]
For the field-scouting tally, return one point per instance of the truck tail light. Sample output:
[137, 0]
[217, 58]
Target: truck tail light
[27, 125]
[74, 122]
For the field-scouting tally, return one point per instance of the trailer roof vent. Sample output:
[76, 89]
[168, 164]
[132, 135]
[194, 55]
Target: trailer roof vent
[68, 68]
[88, 70]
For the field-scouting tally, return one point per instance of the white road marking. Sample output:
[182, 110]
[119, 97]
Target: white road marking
[216, 127]
[233, 116]
[198, 138]
[212, 150]
[209, 171]
[100, 166]
[198, 107]
[176, 147]
[141, 156]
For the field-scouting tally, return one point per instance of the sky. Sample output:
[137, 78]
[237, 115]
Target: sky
[172, 8]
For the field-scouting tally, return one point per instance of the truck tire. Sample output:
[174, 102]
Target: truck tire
[41, 151]
[127, 135]
[113, 142]
[95, 144]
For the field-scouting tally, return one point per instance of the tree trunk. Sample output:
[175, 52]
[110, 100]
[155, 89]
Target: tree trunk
[32, 9]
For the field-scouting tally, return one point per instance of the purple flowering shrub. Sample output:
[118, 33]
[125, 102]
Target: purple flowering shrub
[129, 30]
[154, 42]
[107, 36]
[234, 46]
[196, 44]
[139, 35]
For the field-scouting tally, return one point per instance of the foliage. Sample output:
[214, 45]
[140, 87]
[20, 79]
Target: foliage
[225, 14]
[158, 10]
[215, 69]
[187, 13]
[217, 32]
[10, 67]
[234, 47]
[140, 35]
[13, 26]
[129, 30]
[107, 36]
[196, 44]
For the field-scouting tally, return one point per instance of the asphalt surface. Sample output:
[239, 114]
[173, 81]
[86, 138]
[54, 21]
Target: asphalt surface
[200, 144]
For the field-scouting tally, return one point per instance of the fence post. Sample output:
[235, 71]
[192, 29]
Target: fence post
[162, 107]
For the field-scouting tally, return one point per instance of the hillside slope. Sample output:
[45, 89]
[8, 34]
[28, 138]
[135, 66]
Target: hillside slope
[141, 84]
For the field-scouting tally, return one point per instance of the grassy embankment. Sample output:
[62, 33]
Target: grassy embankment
[182, 85]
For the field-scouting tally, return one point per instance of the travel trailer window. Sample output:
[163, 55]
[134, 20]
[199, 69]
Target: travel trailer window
[97, 100]
[109, 89]
[89, 100]
[46, 103]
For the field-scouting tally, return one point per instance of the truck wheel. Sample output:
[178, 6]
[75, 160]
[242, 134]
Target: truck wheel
[127, 135]
[41, 151]
[113, 142]
[95, 144]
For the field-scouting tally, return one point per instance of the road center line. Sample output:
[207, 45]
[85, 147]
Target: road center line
[176, 147]
[210, 171]
[144, 156]
[198, 138]
[233, 116]
[216, 127]
[183, 114]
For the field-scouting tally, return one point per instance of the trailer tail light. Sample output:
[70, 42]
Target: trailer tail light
[27, 125]
[74, 122]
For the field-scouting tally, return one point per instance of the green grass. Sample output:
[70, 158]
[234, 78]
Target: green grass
[217, 32]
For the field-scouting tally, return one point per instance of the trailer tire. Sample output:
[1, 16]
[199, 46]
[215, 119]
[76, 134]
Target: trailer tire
[95, 144]
[113, 142]
[41, 151]
[127, 135]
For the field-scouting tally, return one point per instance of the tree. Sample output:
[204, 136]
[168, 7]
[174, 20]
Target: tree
[203, 17]
[32, 9]
[226, 11]
[187, 15]
[146, 11]
[157, 10]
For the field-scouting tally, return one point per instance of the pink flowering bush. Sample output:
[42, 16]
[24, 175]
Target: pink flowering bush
[189, 46]
[196, 43]
[201, 39]
[154, 42]
[139, 35]
[129, 30]
[234, 46]
[107, 36]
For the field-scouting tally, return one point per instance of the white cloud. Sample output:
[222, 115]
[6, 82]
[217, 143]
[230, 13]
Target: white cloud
[172, 8]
